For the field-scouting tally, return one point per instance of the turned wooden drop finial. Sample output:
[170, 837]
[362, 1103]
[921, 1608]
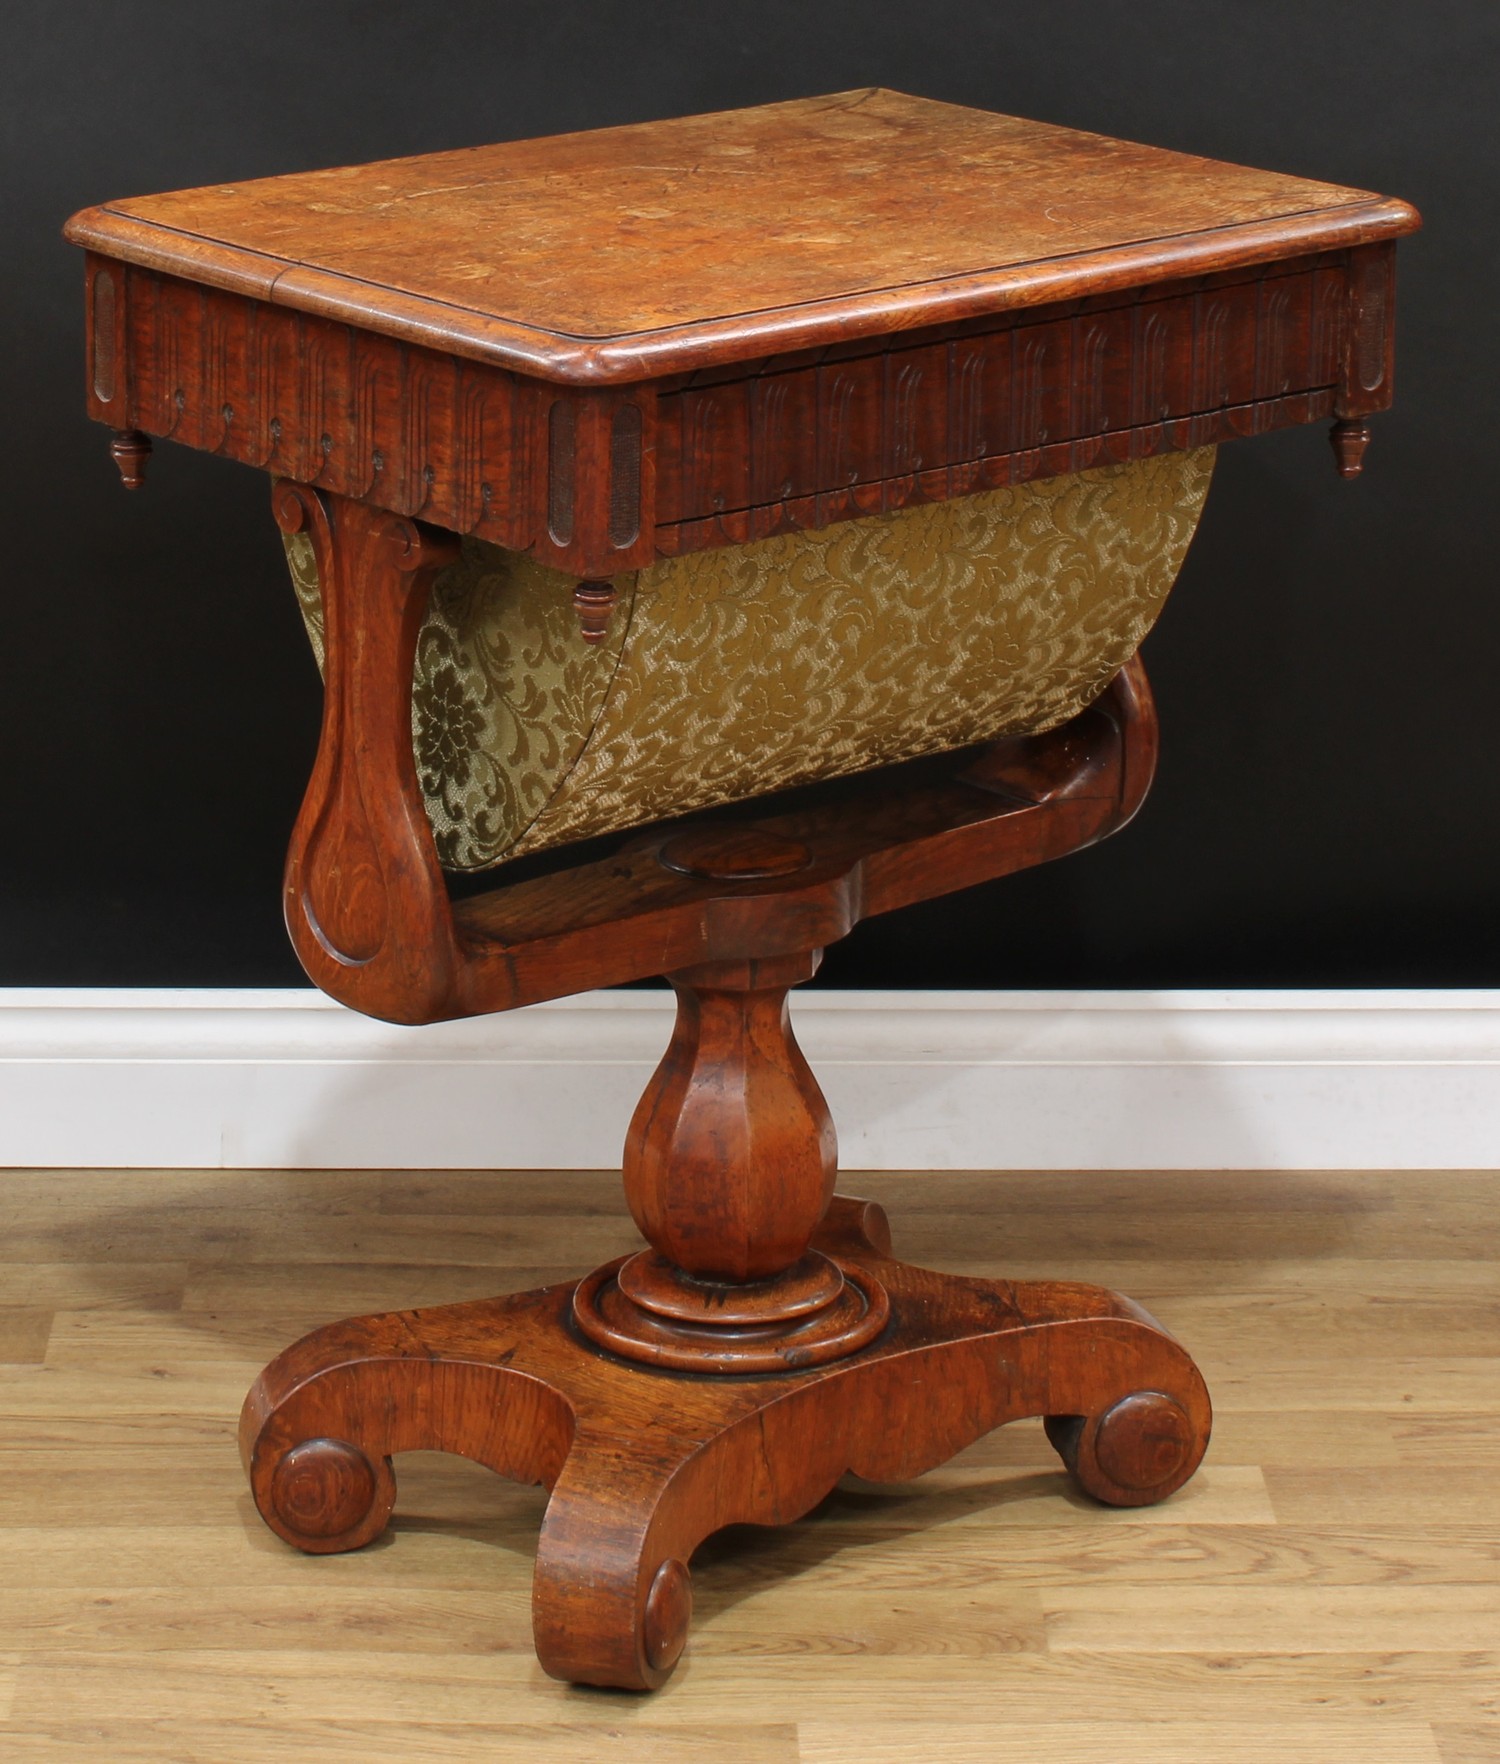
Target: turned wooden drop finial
[1349, 438]
[594, 602]
[130, 450]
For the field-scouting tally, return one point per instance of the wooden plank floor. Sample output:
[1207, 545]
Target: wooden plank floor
[1328, 1588]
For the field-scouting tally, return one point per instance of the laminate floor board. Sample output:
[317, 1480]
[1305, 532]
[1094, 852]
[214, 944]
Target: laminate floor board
[1446, 1439]
[487, 1194]
[974, 1496]
[1257, 1618]
[1327, 1589]
[82, 1340]
[343, 1289]
[1390, 1280]
[70, 1433]
[1128, 1693]
[1459, 1386]
[474, 1552]
[326, 1619]
[137, 1287]
[991, 1201]
[284, 1240]
[121, 1485]
[1362, 1326]
[186, 1388]
[750, 1686]
[23, 1337]
[1466, 1743]
[1089, 1742]
[1134, 1558]
[240, 1557]
[1451, 1494]
[1242, 1437]
[272, 1739]
[373, 1685]
[70, 1197]
[1351, 1193]
[1245, 1236]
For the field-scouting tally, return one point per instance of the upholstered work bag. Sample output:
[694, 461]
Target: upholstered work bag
[727, 674]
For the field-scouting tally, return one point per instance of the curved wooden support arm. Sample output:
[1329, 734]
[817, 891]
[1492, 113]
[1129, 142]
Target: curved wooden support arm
[867, 845]
[365, 901]
[368, 908]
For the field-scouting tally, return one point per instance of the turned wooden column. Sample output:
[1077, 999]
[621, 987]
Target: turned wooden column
[730, 1159]
[729, 1167]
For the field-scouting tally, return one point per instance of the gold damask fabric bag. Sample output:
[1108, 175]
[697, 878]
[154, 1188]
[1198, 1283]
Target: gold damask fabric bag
[727, 674]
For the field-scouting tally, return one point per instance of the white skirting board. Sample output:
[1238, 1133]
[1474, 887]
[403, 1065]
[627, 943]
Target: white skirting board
[916, 1080]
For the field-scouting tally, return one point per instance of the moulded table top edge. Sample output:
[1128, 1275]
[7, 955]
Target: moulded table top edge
[582, 360]
[648, 249]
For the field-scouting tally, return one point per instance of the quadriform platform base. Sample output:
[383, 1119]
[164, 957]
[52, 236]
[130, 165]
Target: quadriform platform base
[607, 350]
[643, 1465]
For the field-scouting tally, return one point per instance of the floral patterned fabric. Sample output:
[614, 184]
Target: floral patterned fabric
[727, 674]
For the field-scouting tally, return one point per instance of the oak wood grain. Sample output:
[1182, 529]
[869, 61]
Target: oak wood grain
[24, 1336]
[1464, 1742]
[1171, 1741]
[353, 1740]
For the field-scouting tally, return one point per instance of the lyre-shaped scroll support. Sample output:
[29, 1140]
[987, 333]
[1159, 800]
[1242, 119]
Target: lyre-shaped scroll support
[363, 887]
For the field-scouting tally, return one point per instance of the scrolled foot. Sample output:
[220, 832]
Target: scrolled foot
[1137, 1451]
[669, 1612]
[644, 1463]
[612, 1599]
[325, 1495]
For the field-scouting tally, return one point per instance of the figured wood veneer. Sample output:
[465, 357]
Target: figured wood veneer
[628, 253]
[641, 1466]
[1003, 401]
[605, 348]
[594, 481]
[562, 346]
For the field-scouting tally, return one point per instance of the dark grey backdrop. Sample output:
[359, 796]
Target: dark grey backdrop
[1326, 808]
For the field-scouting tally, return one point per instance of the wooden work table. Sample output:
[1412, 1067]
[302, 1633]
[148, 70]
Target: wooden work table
[610, 348]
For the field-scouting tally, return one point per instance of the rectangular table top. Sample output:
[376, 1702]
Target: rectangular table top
[630, 253]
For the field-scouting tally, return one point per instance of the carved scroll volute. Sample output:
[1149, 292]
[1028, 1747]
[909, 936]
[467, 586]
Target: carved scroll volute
[365, 901]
